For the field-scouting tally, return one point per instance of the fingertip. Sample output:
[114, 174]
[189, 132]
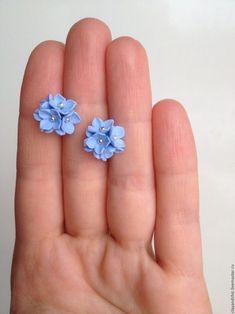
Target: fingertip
[168, 107]
[46, 47]
[90, 27]
[45, 61]
[174, 145]
[129, 53]
[129, 91]
[126, 46]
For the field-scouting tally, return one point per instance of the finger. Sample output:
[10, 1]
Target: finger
[84, 81]
[178, 244]
[131, 192]
[38, 186]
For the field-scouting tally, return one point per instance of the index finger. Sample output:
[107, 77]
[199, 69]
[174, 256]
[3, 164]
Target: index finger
[38, 186]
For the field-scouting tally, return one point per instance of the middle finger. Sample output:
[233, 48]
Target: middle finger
[84, 177]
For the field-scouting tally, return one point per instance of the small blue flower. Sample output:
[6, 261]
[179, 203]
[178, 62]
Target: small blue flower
[62, 105]
[50, 120]
[67, 123]
[57, 114]
[104, 139]
[98, 125]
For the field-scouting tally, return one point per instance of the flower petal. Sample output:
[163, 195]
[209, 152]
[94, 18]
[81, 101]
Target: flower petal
[44, 104]
[55, 113]
[44, 113]
[70, 104]
[46, 125]
[108, 124]
[57, 124]
[117, 131]
[98, 148]
[88, 149]
[56, 101]
[47, 131]
[90, 142]
[119, 144]
[107, 154]
[36, 115]
[58, 98]
[111, 149]
[92, 129]
[67, 108]
[98, 156]
[97, 123]
[67, 127]
[60, 132]
[75, 118]
[49, 97]
[88, 133]
[103, 158]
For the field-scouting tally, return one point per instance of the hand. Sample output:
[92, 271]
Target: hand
[83, 226]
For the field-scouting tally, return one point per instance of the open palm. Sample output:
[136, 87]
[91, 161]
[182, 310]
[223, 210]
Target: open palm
[84, 227]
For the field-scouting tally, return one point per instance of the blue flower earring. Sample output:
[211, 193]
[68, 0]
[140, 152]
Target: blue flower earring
[104, 139]
[56, 113]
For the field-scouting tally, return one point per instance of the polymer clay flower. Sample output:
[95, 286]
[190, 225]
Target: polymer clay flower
[50, 120]
[56, 113]
[67, 123]
[62, 105]
[104, 139]
[98, 125]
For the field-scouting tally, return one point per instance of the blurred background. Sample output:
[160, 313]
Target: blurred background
[191, 49]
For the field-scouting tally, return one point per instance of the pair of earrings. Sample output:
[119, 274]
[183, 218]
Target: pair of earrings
[103, 138]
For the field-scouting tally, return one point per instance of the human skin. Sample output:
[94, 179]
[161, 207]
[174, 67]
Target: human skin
[84, 227]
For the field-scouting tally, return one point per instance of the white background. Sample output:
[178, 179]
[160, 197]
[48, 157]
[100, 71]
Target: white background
[191, 49]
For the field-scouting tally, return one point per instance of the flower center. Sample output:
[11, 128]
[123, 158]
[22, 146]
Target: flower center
[61, 105]
[53, 118]
[67, 119]
[102, 128]
[102, 140]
